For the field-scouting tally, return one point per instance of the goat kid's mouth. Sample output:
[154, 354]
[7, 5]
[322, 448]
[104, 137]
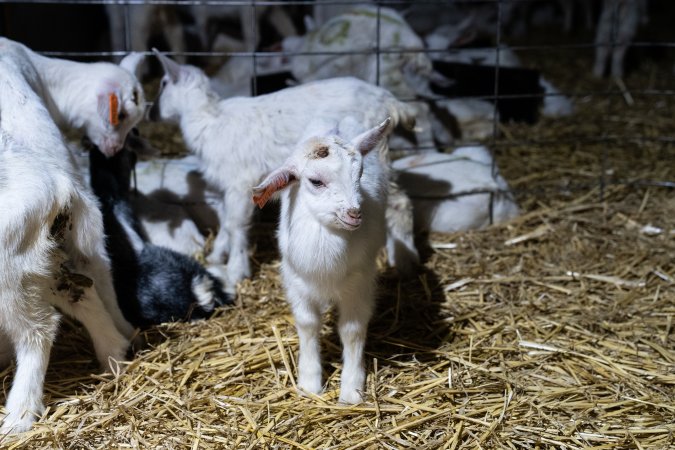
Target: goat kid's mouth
[348, 223]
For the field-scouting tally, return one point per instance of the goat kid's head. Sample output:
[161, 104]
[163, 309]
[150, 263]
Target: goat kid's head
[177, 85]
[327, 171]
[120, 105]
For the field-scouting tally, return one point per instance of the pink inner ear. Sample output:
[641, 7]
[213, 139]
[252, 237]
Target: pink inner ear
[263, 193]
[113, 114]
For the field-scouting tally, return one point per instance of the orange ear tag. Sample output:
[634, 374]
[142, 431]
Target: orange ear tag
[113, 117]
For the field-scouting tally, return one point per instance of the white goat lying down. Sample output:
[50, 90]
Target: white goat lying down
[241, 139]
[357, 31]
[52, 248]
[332, 225]
[173, 203]
[452, 192]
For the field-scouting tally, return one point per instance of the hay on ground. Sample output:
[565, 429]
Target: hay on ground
[552, 331]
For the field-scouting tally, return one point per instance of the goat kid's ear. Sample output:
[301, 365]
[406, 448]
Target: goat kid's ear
[109, 107]
[368, 140]
[132, 62]
[171, 67]
[274, 182]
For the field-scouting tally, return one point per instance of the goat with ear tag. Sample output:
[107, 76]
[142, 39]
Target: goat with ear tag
[332, 226]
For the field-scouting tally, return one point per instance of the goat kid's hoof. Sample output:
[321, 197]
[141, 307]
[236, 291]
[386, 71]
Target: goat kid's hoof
[307, 389]
[350, 397]
[12, 424]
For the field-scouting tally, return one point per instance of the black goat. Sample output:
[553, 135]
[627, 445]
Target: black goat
[153, 284]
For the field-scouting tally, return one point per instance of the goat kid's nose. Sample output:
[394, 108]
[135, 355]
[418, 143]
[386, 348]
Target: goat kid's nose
[354, 213]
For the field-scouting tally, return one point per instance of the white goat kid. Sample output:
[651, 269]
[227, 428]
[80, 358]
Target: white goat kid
[241, 139]
[51, 243]
[102, 99]
[333, 201]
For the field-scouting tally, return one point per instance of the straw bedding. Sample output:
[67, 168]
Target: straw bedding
[552, 331]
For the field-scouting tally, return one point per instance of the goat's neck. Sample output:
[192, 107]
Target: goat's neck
[62, 100]
[200, 112]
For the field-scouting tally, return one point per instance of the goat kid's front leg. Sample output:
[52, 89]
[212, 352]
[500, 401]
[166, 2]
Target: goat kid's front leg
[235, 219]
[307, 315]
[355, 309]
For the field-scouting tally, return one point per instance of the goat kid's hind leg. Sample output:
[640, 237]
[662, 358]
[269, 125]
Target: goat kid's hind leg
[401, 249]
[355, 309]
[87, 307]
[221, 244]
[30, 325]
[85, 248]
[235, 222]
[618, 55]
[6, 351]
[99, 269]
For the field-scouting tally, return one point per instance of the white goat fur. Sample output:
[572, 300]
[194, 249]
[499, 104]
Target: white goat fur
[241, 139]
[174, 203]
[451, 192]
[50, 229]
[329, 237]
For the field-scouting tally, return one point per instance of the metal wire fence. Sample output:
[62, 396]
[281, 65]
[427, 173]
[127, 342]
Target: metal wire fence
[612, 98]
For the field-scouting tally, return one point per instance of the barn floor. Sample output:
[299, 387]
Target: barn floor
[552, 331]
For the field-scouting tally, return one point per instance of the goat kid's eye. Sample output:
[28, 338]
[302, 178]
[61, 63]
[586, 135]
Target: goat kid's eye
[121, 116]
[316, 183]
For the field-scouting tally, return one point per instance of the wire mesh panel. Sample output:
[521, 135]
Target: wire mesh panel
[553, 330]
[546, 84]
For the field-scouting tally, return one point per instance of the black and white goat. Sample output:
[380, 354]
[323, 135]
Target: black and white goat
[154, 284]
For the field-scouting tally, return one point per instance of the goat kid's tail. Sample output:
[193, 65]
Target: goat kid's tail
[208, 290]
